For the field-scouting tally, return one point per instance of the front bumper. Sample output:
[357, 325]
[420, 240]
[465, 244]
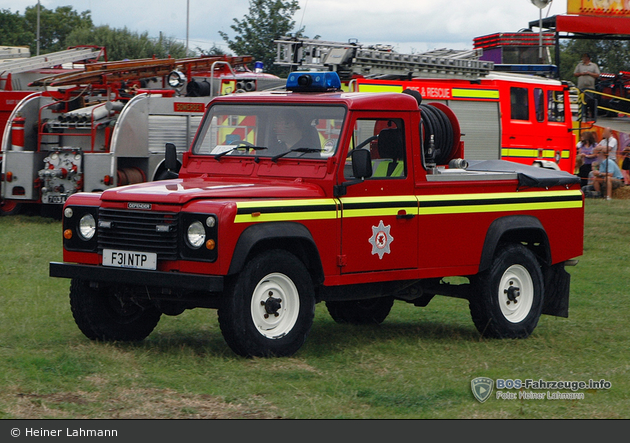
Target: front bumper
[138, 277]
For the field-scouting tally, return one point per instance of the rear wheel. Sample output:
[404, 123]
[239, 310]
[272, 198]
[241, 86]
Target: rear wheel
[508, 299]
[269, 309]
[360, 312]
[10, 207]
[110, 314]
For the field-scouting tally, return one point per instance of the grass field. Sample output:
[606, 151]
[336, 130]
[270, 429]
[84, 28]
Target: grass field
[418, 364]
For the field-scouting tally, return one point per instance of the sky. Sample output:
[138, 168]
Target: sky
[410, 26]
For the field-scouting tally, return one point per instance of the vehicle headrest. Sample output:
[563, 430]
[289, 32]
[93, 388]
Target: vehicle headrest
[390, 144]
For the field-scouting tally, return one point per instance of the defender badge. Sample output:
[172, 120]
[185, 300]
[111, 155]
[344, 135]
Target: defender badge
[142, 206]
[482, 388]
[381, 239]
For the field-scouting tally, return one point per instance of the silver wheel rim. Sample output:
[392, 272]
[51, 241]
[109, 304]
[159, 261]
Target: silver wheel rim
[516, 293]
[275, 306]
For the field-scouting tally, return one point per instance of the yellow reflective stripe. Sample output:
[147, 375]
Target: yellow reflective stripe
[297, 210]
[285, 203]
[285, 210]
[378, 206]
[496, 195]
[285, 216]
[475, 93]
[370, 87]
[532, 153]
[499, 208]
[574, 200]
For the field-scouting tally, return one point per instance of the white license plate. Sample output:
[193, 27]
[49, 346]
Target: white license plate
[130, 259]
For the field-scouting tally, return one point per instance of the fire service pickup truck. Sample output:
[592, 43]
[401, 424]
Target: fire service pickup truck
[306, 195]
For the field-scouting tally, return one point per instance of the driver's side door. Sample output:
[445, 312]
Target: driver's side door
[380, 215]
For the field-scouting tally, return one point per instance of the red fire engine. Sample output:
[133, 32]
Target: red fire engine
[106, 125]
[504, 115]
[289, 198]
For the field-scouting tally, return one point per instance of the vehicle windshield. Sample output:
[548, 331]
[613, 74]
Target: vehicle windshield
[270, 131]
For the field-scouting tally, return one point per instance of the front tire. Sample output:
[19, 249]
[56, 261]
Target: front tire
[508, 299]
[361, 312]
[269, 309]
[108, 314]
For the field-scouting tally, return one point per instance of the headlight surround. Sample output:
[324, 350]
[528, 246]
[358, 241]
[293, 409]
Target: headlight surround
[196, 234]
[87, 227]
[80, 231]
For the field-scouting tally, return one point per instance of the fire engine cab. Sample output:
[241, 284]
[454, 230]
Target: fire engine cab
[290, 198]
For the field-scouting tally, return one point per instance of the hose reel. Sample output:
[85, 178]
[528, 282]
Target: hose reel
[440, 130]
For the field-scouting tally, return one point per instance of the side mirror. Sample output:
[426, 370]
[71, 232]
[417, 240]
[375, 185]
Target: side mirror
[170, 157]
[170, 163]
[361, 163]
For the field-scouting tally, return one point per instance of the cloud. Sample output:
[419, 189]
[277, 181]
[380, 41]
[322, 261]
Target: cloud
[419, 24]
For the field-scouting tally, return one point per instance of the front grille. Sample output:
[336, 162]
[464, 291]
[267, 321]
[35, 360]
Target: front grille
[139, 231]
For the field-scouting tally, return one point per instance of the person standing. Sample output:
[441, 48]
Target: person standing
[587, 72]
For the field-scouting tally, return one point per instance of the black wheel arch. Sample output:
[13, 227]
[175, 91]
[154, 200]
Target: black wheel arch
[290, 236]
[515, 229]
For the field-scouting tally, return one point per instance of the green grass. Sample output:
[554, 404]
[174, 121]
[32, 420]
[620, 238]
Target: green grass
[418, 364]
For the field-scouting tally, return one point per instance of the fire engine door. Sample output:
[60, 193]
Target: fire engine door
[379, 215]
[535, 131]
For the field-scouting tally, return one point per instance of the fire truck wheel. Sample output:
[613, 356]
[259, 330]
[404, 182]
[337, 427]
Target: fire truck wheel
[110, 315]
[268, 309]
[361, 312]
[508, 299]
[10, 207]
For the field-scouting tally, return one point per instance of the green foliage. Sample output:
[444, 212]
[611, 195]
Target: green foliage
[125, 44]
[65, 27]
[15, 31]
[55, 26]
[214, 50]
[266, 21]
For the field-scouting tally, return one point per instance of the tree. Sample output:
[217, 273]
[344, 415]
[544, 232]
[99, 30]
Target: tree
[124, 44]
[214, 50]
[255, 33]
[54, 26]
[14, 29]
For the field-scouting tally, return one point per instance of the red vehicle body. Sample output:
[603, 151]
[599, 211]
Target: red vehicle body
[521, 118]
[359, 218]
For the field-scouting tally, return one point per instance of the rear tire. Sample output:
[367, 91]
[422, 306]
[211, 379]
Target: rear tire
[268, 310]
[508, 299]
[11, 207]
[107, 314]
[361, 312]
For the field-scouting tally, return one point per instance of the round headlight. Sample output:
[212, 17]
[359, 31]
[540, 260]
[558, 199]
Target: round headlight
[87, 227]
[196, 235]
[68, 212]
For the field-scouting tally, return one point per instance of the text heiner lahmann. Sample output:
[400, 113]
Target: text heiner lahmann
[80, 432]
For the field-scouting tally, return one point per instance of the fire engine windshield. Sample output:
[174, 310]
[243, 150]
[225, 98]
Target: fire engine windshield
[270, 131]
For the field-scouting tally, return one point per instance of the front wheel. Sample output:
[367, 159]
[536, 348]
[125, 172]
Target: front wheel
[508, 299]
[269, 309]
[110, 314]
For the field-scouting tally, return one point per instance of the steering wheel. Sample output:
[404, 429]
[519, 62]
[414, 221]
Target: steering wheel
[241, 143]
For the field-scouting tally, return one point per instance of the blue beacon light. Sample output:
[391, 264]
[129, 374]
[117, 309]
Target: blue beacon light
[313, 81]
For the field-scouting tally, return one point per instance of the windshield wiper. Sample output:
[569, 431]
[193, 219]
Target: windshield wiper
[255, 148]
[304, 150]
